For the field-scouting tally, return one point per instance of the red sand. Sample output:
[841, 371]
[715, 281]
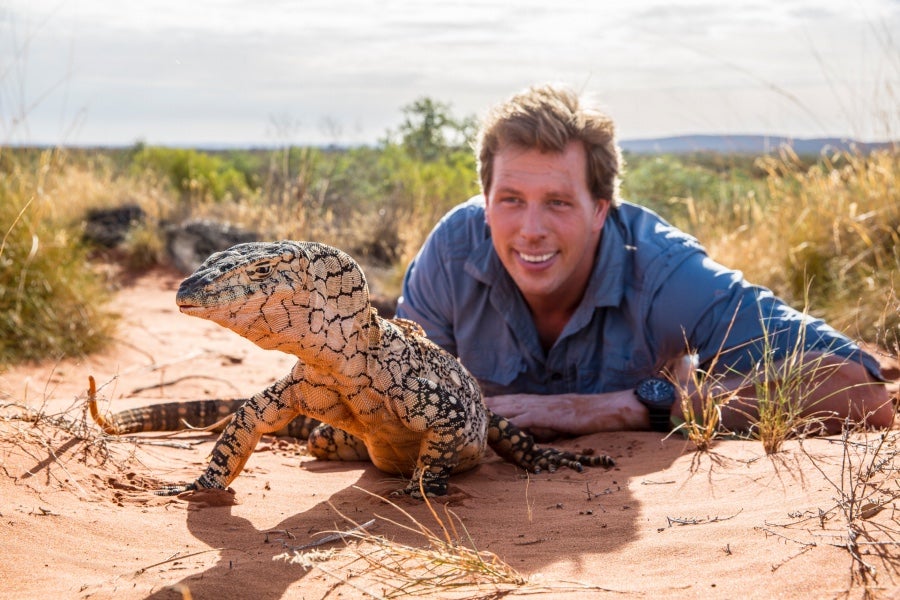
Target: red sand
[666, 522]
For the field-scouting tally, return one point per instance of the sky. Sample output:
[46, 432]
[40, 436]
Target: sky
[241, 73]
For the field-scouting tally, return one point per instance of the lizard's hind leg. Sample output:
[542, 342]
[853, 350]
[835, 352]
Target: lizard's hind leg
[330, 443]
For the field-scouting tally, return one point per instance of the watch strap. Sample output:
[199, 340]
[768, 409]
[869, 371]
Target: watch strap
[660, 419]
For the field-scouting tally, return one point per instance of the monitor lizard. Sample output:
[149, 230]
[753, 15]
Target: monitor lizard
[364, 387]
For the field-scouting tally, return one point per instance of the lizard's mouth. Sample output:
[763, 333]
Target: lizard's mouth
[188, 307]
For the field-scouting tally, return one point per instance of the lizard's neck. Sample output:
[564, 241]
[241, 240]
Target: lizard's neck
[338, 345]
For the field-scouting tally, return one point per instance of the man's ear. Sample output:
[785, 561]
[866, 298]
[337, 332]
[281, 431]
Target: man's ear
[601, 211]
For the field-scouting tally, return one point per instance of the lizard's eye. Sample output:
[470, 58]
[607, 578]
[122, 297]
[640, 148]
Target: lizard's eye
[260, 272]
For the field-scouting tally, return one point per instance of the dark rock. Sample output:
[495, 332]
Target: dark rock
[108, 227]
[191, 242]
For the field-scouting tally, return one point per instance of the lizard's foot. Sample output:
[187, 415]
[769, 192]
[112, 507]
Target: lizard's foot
[518, 447]
[429, 482]
[199, 495]
[538, 459]
[175, 489]
[414, 491]
[330, 443]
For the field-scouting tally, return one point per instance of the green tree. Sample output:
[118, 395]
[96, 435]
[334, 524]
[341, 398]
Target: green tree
[430, 131]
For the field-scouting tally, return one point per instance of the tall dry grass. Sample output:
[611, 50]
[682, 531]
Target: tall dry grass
[378, 204]
[51, 302]
[825, 237]
[829, 234]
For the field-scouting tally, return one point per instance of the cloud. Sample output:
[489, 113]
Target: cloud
[215, 71]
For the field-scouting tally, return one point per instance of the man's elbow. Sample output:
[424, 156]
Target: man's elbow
[878, 409]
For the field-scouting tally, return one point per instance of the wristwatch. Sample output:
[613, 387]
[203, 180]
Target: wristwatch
[658, 395]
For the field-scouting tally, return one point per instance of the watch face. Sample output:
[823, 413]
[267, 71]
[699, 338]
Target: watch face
[656, 391]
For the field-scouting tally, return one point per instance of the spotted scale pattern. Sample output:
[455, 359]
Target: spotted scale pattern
[379, 389]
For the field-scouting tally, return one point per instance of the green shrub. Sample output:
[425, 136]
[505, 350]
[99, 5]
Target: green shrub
[696, 193]
[51, 303]
[198, 176]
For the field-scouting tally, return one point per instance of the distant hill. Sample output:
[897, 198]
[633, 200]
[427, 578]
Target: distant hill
[745, 144]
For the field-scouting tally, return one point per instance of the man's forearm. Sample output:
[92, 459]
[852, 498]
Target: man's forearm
[572, 414]
[825, 388]
[834, 389]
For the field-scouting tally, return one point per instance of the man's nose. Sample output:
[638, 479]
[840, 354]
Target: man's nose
[532, 224]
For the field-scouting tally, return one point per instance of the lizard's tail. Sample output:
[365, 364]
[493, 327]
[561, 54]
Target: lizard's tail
[105, 425]
[197, 415]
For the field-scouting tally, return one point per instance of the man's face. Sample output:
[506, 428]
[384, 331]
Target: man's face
[544, 223]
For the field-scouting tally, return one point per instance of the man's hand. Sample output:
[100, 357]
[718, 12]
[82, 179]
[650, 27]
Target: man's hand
[547, 417]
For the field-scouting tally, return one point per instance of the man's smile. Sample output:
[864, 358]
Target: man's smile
[536, 258]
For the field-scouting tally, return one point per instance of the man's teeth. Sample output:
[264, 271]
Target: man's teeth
[536, 258]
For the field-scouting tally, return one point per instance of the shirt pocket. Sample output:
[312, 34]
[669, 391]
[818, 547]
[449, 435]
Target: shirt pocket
[588, 381]
[495, 371]
[624, 372]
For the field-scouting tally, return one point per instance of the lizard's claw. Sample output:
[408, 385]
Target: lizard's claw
[518, 447]
[175, 489]
[414, 491]
[426, 483]
[551, 459]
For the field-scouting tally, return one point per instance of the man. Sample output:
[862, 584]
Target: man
[568, 304]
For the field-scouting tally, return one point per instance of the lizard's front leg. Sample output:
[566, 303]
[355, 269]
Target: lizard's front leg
[453, 435]
[518, 447]
[267, 411]
[433, 469]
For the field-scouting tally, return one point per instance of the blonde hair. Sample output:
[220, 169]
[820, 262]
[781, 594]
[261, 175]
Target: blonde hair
[548, 118]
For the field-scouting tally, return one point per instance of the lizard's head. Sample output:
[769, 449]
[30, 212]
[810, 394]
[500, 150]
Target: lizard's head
[280, 295]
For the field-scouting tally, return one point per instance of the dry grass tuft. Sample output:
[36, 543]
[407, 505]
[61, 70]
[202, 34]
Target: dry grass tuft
[781, 406]
[783, 389]
[864, 519]
[829, 233]
[67, 449]
[447, 565]
[53, 440]
[50, 304]
[448, 562]
[701, 427]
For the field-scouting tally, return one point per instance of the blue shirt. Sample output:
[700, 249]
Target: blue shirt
[654, 295]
